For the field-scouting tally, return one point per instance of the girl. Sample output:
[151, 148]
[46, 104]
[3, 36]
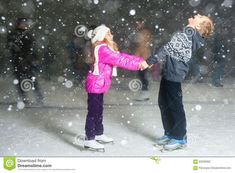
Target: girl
[99, 79]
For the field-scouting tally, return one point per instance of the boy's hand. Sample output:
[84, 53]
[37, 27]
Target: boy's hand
[143, 65]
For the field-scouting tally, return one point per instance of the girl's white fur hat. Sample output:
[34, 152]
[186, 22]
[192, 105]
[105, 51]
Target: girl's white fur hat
[98, 33]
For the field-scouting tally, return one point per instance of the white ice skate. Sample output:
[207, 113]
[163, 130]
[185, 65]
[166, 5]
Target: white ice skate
[103, 139]
[92, 145]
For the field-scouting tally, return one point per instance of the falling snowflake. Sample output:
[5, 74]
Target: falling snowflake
[132, 12]
[15, 81]
[123, 142]
[61, 79]
[20, 105]
[3, 29]
[70, 124]
[96, 1]
[198, 107]
[227, 3]
[9, 108]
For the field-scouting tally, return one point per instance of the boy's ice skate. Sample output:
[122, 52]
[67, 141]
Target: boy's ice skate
[92, 145]
[103, 139]
[163, 140]
[174, 144]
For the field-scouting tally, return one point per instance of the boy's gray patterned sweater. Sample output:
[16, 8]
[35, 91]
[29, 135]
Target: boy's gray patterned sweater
[177, 53]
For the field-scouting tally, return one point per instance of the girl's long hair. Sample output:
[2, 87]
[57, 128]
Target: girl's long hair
[111, 44]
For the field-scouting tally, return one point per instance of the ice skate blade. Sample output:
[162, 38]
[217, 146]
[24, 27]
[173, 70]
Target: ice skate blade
[102, 142]
[174, 149]
[94, 149]
[158, 145]
[141, 100]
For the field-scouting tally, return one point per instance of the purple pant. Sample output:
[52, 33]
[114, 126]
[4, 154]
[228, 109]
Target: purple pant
[94, 119]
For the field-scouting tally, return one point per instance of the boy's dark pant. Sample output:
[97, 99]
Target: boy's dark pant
[94, 117]
[172, 110]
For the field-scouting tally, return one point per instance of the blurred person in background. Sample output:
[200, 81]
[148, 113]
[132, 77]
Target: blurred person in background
[220, 52]
[76, 60]
[142, 41]
[23, 59]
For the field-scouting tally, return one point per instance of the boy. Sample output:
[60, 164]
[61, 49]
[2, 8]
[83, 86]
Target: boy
[176, 55]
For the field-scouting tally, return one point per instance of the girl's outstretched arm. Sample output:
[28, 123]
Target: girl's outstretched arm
[122, 60]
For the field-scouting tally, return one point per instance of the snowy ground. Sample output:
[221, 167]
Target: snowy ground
[50, 131]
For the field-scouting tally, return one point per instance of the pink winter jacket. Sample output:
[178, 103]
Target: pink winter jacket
[107, 59]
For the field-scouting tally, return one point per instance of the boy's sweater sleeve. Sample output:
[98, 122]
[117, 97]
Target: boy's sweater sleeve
[156, 56]
[118, 59]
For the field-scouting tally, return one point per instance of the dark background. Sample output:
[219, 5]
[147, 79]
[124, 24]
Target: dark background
[54, 22]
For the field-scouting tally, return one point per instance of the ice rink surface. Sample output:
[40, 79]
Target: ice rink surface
[135, 126]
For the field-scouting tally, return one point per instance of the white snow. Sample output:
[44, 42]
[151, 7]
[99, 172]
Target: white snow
[227, 3]
[132, 12]
[198, 107]
[15, 81]
[96, 1]
[3, 29]
[61, 79]
[20, 105]
[9, 108]
[70, 124]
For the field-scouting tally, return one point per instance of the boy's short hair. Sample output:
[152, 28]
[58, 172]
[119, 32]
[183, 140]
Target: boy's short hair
[207, 27]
